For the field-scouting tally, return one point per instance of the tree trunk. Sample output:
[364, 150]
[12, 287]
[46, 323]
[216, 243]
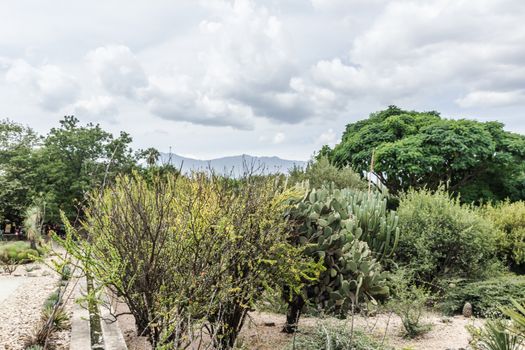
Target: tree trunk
[292, 315]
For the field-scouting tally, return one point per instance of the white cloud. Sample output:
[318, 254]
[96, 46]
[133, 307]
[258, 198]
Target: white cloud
[257, 67]
[48, 84]
[279, 138]
[491, 98]
[118, 70]
[97, 108]
[327, 138]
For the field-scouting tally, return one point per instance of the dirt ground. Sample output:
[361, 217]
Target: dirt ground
[262, 331]
[446, 333]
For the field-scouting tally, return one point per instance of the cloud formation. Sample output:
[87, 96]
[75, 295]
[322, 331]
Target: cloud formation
[265, 69]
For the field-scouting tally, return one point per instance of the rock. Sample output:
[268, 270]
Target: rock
[269, 324]
[467, 310]
[32, 274]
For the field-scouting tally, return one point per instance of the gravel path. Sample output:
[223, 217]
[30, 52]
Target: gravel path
[20, 309]
[8, 286]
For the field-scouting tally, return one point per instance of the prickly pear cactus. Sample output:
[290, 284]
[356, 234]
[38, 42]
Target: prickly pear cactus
[340, 227]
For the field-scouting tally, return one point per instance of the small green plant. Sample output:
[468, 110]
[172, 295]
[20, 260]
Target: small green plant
[65, 273]
[35, 347]
[332, 336]
[408, 302]
[56, 316]
[494, 335]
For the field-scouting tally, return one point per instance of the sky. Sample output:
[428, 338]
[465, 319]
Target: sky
[280, 78]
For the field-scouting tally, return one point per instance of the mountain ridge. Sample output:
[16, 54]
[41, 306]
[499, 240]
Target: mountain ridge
[233, 165]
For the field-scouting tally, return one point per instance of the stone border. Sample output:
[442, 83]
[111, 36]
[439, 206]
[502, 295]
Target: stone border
[81, 329]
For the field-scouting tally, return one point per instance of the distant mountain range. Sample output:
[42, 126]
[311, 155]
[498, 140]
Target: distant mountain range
[234, 165]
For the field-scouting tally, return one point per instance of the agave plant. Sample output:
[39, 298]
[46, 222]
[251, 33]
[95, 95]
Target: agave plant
[517, 315]
[495, 335]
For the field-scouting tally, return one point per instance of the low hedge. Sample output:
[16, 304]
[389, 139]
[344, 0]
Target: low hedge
[18, 252]
[486, 296]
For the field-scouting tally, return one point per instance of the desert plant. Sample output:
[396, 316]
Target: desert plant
[190, 256]
[517, 315]
[494, 335]
[33, 225]
[408, 302]
[334, 226]
[443, 238]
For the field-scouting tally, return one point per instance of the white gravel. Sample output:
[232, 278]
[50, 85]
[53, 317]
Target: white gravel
[20, 309]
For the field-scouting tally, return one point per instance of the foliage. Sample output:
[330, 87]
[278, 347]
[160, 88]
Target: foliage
[74, 159]
[408, 303]
[334, 226]
[486, 297]
[443, 238]
[189, 255]
[509, 218]
[321, 172]
[494, 335]
[16, 168]
[332, 336]
[517, 315]
[420, 149]
[58, 169]
[14, 253]
[33, 225]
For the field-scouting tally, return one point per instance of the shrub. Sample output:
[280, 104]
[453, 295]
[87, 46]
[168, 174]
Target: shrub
[509, 218]
[408, 301]
[332, 336]
[190, 256]
[334, 226]
[17, 253]
[486, 297]
[322, 172]
[443, 238]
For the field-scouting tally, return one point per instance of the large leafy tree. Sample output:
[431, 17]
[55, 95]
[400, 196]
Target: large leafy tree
[75, 159]
[16, 169]
[420, 149]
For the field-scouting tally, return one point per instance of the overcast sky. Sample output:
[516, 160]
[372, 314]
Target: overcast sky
[275, 77]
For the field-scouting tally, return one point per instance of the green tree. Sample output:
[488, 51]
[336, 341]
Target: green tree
[16, 169]
[75, 159]
[420, 149]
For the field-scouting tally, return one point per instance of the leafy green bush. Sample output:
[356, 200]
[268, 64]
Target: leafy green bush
[332, 336]
[17, 253]
[321, 172]
[441, 238]
[486, 297]
[189, 253]
[509, 218]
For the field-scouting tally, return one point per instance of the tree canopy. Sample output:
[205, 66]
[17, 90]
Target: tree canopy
[57, 169]
[413, 149]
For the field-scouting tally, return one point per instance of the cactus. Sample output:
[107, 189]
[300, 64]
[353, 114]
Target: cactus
[349, 231]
